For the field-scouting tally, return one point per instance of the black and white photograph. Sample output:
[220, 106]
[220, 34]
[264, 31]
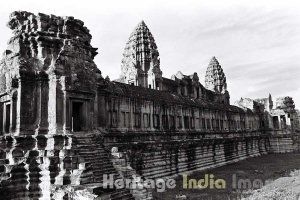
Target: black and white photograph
[150, 100]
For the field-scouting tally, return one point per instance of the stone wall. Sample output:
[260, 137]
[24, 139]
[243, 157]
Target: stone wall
[155, 155]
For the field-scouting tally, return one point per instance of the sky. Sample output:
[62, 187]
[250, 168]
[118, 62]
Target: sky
[256, 42]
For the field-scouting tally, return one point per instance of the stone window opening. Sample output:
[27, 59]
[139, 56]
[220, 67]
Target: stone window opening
[198, 123]
[217, 124]
[127, 120]
[156, 123]
[208, 124]
[179, 122]
[150, 86]
[146, 120]
[186, 122]
[123, 119]
[203, 124]
[8, 113]
[114, 119]
[262, 124]
[137, 120]
[227, 125]
[192, 123]
[172, 122]
[165, 121]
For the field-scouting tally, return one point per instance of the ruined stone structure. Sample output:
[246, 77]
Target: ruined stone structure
[61, 118]
[279, 120]
[281, 116]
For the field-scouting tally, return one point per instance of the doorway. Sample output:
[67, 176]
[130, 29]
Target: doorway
[77, 116]
[7, 118]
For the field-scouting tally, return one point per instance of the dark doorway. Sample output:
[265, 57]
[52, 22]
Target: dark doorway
[275, 122]
[7, 118]
[77, 116]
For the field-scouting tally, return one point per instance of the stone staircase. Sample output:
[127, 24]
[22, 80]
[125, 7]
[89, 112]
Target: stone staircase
[97, 163]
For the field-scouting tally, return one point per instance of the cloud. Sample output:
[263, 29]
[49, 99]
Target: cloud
[256, 42]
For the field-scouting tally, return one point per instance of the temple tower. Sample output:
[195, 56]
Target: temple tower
[140, 63]
[215, 79]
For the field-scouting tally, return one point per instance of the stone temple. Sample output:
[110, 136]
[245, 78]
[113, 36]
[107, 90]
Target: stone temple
[63, 126]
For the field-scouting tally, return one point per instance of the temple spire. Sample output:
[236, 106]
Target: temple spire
[140, 63]
[215, 79]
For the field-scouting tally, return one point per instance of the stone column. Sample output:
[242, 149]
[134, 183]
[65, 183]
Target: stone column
[52, 104]
[44, 106]
[61, 105]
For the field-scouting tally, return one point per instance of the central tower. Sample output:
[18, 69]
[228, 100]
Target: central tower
[140, 63]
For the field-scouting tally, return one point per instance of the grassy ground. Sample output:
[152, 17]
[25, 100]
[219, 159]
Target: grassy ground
[264, 168]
